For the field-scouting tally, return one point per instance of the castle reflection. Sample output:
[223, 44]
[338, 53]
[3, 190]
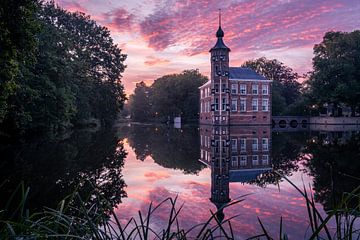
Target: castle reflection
[234, 154]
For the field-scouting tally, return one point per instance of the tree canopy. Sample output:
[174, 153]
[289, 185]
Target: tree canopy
[74, 75]
[169, 96]
[336, 70]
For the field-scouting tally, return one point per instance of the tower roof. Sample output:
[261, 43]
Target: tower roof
[220, 34]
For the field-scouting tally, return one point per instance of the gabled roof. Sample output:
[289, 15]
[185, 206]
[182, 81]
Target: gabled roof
[244, 73]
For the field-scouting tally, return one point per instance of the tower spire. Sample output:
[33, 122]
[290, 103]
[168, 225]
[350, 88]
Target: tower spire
[219, 17]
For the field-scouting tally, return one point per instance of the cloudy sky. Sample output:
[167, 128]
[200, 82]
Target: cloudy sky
[168, 36]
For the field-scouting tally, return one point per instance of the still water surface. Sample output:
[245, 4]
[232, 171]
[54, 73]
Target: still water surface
[206, 167]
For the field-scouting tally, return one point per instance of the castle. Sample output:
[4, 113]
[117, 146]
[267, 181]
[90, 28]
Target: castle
[234, 95]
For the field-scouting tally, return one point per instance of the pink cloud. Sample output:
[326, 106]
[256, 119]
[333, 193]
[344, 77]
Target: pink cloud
[151, 61]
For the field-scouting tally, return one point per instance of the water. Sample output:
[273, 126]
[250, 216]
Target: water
[206, 167]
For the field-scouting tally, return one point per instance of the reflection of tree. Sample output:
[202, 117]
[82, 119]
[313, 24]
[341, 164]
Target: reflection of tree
[286, 153]
[169, 147]
[53, 169]
[335, 167]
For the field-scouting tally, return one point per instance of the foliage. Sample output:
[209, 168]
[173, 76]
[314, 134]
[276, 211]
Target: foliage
[75, 76]
[18, 27]
[168, 147]
[169, 96]
[285, 86]
[336, 75]
[139, 103]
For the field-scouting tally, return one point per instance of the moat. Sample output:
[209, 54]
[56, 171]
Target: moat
[135, 164]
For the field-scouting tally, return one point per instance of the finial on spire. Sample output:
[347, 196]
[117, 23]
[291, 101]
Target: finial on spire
[219, 17]
[220, 32]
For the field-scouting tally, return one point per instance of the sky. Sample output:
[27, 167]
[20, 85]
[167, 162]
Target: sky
[168, 36]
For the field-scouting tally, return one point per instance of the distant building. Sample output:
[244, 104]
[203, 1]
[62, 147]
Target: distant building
[234, 95]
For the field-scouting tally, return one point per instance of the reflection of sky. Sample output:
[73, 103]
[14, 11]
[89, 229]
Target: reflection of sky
[148, 182]
[168, 36]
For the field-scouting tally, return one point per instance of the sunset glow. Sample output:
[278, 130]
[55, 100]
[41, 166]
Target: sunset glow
[168, 36]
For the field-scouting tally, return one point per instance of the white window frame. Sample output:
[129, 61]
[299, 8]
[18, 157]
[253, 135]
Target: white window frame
[223, 104]
[255, 107]
[265, 89]
[266, 105]
[265, 160]
[255, 144]
[254, 88]
[234, 161]
[234, 88]
[244, 101]
[242, 89]
[234, 145]
[255, 160]
[243, 144]
[243, 160]
[232, 102]
[265, 144]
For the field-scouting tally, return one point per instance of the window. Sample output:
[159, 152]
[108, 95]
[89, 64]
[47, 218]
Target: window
[234, 145]
[255, 160]
[234, 105]
[216, 88]
[255, 89]
[223, 108]
[234, 88]
[265, 89]
[243, 144]
[234, 161]
[265, 144]
[216, 104]
[255, 144]
[243, 105]
[254, 105]
[243, 160]
[265, 160]
[242, 88]
[223, 87]
[265, 105]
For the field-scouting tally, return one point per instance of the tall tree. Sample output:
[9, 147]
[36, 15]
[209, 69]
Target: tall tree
[178, 94]
[18, 27]
[75, 76]
[139, 102]
[285, 89]
[336, 75]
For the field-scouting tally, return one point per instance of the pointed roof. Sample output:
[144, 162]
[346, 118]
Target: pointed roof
[220, 34]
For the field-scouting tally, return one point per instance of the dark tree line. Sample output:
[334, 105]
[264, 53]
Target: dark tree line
[336, 75]
[169, 96]
[58, 69]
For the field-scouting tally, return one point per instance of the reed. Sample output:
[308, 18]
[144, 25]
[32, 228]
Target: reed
[74, 219]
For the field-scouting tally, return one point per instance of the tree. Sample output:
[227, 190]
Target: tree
[177, 95]
[336, 75]
[139, 103]
[285, 87]
[18, 27]
[75, 75]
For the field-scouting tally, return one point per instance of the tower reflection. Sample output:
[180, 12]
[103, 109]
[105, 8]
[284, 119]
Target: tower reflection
[234, 154]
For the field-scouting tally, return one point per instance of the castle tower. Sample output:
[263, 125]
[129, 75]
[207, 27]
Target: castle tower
[220, 91]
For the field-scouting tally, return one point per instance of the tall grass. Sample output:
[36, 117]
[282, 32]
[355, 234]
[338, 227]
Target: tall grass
[74, 219]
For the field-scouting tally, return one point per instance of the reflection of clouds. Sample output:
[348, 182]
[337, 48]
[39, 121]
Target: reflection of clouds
[194, 191]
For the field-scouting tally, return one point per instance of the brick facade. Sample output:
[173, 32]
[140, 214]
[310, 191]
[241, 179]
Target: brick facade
[233, 96]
